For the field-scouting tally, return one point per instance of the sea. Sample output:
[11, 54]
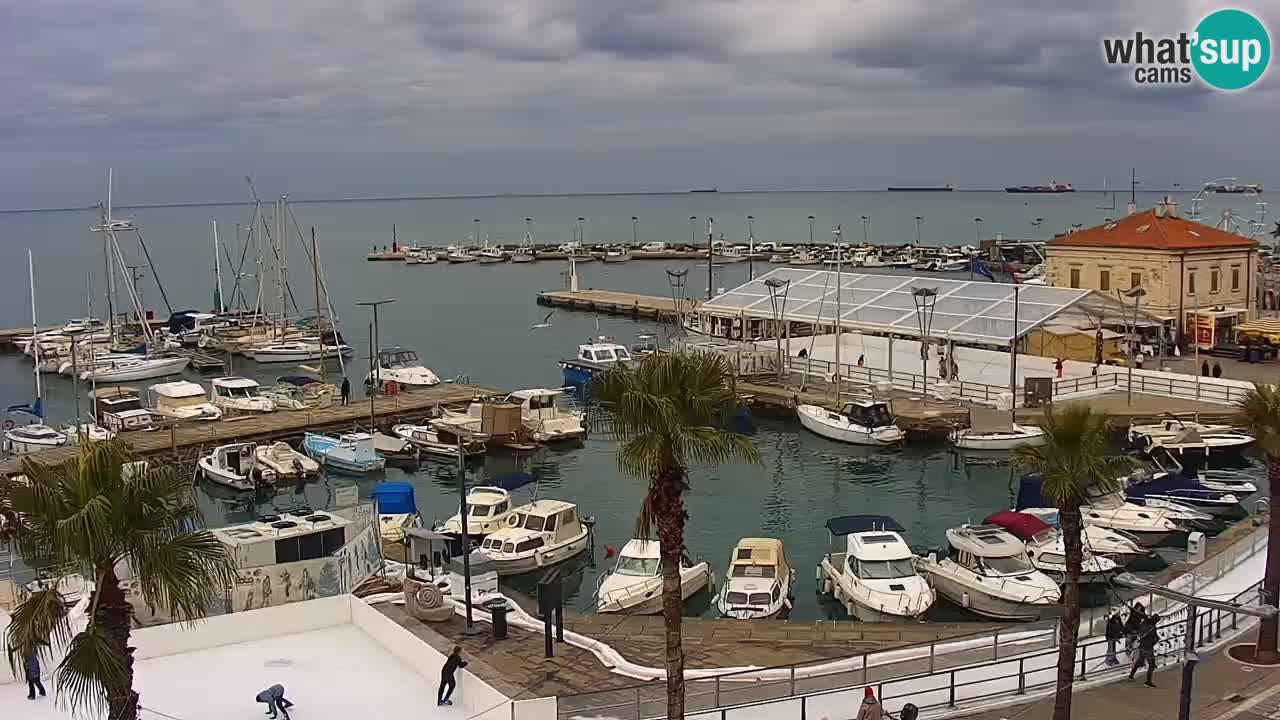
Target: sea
[475, 322]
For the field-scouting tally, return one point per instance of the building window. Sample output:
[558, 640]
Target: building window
[1135, 280]
[1191, 282]
[1213, 280]
[1104, 280]
[1235, 278]
[1075, 277]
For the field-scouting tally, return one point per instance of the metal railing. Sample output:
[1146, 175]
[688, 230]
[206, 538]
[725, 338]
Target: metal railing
[1184, 387]
[867, 377]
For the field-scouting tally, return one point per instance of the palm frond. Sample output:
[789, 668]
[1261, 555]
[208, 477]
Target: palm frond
[1261, 410]
[39, 621]
[93, 669]
[1073, 457]
[183, 573]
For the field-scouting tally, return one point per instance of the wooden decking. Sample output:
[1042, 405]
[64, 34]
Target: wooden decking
[279, 424]
[612, 303]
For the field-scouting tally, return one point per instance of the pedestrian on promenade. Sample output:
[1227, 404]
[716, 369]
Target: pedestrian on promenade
[275, 700]
[870, 708]
[31, 670]
[1204, 368]
[1147, 649]
[1133, 626]
[1058, 367]
[346, 391]
[1217, 369]
[1115, 633]
[447, 681]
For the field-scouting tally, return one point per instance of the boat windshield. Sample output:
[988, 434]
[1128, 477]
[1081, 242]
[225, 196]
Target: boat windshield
[641, 567]
[884, 569]
[1007, 565]
[244, 393]
[1053, 559]
[534, 522]
[754, 571]
[407, 358]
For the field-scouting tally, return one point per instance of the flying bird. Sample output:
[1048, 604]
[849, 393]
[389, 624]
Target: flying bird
[546, 321]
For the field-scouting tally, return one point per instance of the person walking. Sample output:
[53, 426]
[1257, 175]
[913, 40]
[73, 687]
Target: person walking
[1058, 367]
[447, 681]
[1204, 368]
[1217, 369]
[1115, 633]
[870, 708]
[1133, 626]
[31, 670]
[275, 700]
[346, 391]
[1147, 649]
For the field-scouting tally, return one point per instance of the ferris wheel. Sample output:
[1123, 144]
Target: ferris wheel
[1232, 219]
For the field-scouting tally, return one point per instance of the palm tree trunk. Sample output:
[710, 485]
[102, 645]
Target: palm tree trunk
[1069, 627]
[114, 614]
[1265, 650]
[668, 502]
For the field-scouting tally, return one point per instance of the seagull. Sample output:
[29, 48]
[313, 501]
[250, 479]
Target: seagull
[546, 321]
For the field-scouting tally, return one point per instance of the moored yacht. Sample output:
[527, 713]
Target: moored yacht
[1048, 551]
[1168, 427]
[286, 462]
[1149, 526]
[401, 366]
[135, 368]
[295, 351]
[634, 585]
[547, 415]
[987, 571]
[759, 583]
[875, 576]
[1160, 489]
[31, 438]
[1119, 546]
[235, 466]
[428, 439]
[238, 395]
[594, 358]
[349, 452]
[182, 400]
[489, 509]
[543, 533]
[992, 430]
[862, 422]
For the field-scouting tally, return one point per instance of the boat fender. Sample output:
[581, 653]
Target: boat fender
[964, 600]
[786, 603]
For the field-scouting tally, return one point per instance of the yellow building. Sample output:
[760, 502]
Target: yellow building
[1181, 265]
[1064, 342]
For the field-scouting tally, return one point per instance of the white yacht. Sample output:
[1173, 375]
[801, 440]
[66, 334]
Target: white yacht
[284, 461]
[489, 509]
[1119, 546]
[402, 367]
[238, 395]
[634, 585]
[862, 422]
[235, 466]
[593, 358]
[296, 351]
[137, 368]
[995, 430]
[182, 400]
[1169, 427]
[548, 416]
[542, 533]
[616, 254]
[31, 438]
[759, 583]
[804, 256]
[875, 577]
[420, 256]
[427, 439]
[457, 254]
[1194, 443]
[987, 571]
[1048, 551]
[119, 409]
[491, 254]
[1149, 526]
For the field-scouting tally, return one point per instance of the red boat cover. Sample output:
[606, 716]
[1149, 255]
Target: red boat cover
[1021, 525]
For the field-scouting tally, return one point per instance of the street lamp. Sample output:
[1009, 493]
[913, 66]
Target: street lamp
[374, 370]
[811, 219]
[779, 310]
[919, 219]
[977, 222]
[635, 230]
[475, 231]
[1136, 293]
[866, 229]
[751, 247]
[925, 300]
[693, 232]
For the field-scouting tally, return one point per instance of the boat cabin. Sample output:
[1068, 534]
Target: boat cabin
[119, 409]
[639, 558]
[285, 538]
[395, 357]
[756, 572]
[540, 523]
[177, 395]
[644, 345]
[234, 388]
[869, 413]
[873, 547]
[603, 353]
[988, 550]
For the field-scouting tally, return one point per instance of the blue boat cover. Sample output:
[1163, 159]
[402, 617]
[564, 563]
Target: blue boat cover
[511, 481]
[848, 524]
[394, 497]
[1029, 493]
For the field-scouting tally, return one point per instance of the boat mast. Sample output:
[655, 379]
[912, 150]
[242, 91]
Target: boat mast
[217, 271]
[315, 273]
[35, 334]
[839, 257]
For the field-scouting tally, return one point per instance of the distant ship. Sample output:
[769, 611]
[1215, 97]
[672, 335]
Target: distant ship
[920, 188]
[1234, 189]
[1050, 188]
[701, 190]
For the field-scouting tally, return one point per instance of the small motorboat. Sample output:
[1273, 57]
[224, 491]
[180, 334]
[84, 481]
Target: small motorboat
[300, 392]
[1201, 445]
[1149, 526]
[350, 452]
[137, 368]
[457, 255]
[1119, 546]
[397, 509]
[804, 256]
[634, 585]
[235, 466]
[431, 443]
[395, 449]
[31, 438]
[182, 400]
[994, 430]
[547, 415]
[238, 395]
[759, 583]
[594, 358]
[1231, 481]
[90, 431]
[862, 422]
[1141, 434]
[491, 254]
[538, 535]
[616, 254]
[1047, 549]
[1158, 489]
[987, 571]
[489, 509]
[297, 351]
[402, 367]
[874, 575]
[287, 463]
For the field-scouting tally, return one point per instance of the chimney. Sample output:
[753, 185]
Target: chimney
[1167, 208]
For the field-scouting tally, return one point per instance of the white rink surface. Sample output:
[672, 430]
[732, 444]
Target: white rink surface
[335, 673]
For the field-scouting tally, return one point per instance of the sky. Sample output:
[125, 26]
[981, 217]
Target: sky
[363, 98]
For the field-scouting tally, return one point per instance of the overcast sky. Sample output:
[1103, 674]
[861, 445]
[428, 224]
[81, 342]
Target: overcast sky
[341, 98]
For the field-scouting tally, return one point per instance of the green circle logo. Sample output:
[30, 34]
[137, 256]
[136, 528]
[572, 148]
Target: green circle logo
[1232, 49]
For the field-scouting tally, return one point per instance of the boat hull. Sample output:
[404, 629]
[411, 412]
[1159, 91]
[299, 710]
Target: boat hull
[981, 603]
[539, 559]
[131, 373]
[692, 581]
[224, 477]
[997, 441]
[810, 418]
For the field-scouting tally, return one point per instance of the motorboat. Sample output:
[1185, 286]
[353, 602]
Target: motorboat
[525, 253]
[804, 256]
[547, 415]
[489, 508]
[420, 256]
[594, 358]
[90, 431]
[1231, 481]
[235, 466]
[1119, 546]
[395, 364]
[538, 535]
[634, 584]
[350, 452]
[287, 463]
[1047, 550]
[397, 509]
[1159, 489]
[186, 327]
[182, 400]
[994, 430]
[1149, 526]
[23, 439]
[137, 368]
[874, 577]
[1170, 426]
[300, 392]
[1201, 445]
[491, 254]
[759, 583]
[430, 441]
[297, 351]
[457, 255]
[861, 422]
[616, 254]
[987, 571]
[119, 409]
[238, 395]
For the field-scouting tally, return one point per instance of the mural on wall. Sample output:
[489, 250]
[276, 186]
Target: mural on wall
[310, 579]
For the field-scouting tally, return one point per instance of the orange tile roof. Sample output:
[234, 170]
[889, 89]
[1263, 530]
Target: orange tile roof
[1144, 230]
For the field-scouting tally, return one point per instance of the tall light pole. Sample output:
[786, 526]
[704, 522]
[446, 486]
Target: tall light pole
[751, 247]
[977, 223]
[1135, 293]
[866, 229]
[925, 299]
[635, 231]
[582, 231]
[693, 233]
[374, 369]
[464, 516]
[475, 231]
[811, 219]
[779, 313]
[919, 219]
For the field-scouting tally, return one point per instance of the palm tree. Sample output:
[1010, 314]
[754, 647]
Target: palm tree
[92, 516]
[1073, 457]
[668, 412]
[1261, 410]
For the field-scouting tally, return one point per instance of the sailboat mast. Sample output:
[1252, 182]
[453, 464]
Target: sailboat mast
[35, 329]
[217, 271]
[839, 259]
[315, 272]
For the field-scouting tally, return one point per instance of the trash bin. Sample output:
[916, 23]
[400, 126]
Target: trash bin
[498, 609]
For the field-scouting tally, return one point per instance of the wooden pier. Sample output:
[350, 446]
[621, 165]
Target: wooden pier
[180, 438]
[612, 303]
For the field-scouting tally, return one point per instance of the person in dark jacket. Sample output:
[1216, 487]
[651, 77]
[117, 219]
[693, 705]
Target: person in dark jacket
[1133, 626]
[31, 669]
[346, 391]
[1204, 368]
[1147, 649]
[447, 681]
[1217, 369]
[275, 700]
[1115, 633]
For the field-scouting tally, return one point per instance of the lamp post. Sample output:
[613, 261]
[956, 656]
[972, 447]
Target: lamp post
[375, 371]
[919, 219]
[977, 224]
[925, 300]
[464, 517]
[1135, 293]
[751, 247]
[635, 231]
[475, 231]
[811, 219]
[779, 312]
[866, 229]
[693, 233]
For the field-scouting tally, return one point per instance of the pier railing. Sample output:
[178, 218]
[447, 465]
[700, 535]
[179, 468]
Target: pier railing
[869, 377]
[982, 667]
[1190, 387]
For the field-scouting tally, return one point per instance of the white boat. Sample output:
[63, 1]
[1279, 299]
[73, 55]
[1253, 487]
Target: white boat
[457, 254]
[350, 452]
[1169, 427]
[538, 535]
[138, 368]
[489, 509]
[862, 422]
[182, 400]
[1117, 545]
[491, 255]
[420, 256]
[1227, 481]
[92, 432]
[286, 462]
[119, 409]
[300, 392]
[427, 439]
[804, 256]
[86, 361]
[875, 576]
[987, 571]
[297, 351]
[547, 416]
[1048, 551]
[31, 438]
[993, 430]
[235, 466]
[395, 364]
[1194, 443]
[616, 254]
[759, 583]
[1149, 526]
[634, 584]
[238, 395]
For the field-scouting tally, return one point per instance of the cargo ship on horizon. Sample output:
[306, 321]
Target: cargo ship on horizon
[1052, 187]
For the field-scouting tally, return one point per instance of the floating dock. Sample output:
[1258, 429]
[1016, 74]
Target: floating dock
[611, 303]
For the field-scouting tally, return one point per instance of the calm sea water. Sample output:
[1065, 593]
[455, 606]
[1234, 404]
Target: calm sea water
[475, 320]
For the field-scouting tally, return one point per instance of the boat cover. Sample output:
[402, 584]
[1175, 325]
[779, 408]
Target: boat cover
[848, 524]
[990, 421]
[297, 380]
[394, 498]
[512, 481]
[1021, 525]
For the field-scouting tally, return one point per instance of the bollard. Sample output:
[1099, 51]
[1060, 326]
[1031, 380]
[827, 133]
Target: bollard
[1084, 654]
[793, 680]
[1022, 677]
[932, 651]
[951, 702]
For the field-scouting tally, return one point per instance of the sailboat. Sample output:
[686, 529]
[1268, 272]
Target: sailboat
[525, 253]
[35, 436]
